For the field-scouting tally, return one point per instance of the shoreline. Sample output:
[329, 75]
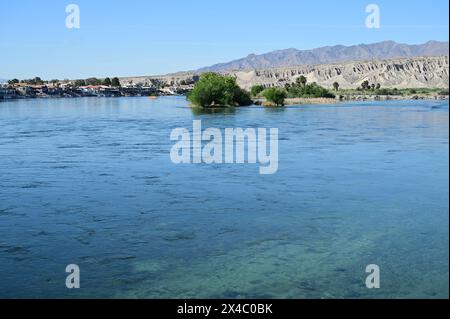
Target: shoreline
[353, 97]
[350, 98]
[263, 102]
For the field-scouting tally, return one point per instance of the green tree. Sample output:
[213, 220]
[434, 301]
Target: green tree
[256, 89]
[309, 91]
[378, 86]
[365, 85]
[242, 97]
[215, 90]
[336, 86]
[107, 81]
[301, 80]
[93, 81]
[13, 81]
[37, 81]
[115, 82]
[275, 95]
[79, 83]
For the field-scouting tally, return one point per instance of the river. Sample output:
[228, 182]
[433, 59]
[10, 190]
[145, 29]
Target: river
[89, 181]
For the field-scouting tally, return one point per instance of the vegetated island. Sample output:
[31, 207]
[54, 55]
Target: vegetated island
[215, 90]
[218, 91]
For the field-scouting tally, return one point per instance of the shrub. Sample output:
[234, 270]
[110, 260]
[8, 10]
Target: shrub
[308, 91]
[215, 90]
[275, 95]
[385, 91]
[256, 89]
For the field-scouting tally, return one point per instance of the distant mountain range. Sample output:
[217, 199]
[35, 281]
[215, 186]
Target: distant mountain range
[332, 54]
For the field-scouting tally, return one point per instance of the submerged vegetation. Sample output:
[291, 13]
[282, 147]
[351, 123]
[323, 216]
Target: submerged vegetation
[215, 90]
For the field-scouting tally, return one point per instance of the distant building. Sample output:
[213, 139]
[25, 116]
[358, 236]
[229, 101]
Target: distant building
[24, 90]
[6, 93]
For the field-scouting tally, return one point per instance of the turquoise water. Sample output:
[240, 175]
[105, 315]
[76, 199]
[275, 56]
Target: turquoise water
[90, 182]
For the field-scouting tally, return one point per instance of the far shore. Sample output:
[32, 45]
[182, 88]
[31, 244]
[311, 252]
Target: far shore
[22, 91]
[288, 101]
[348, 98]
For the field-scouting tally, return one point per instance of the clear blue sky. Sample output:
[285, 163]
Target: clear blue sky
[142, 37]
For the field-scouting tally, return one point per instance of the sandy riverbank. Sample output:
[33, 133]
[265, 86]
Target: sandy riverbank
[346, 98]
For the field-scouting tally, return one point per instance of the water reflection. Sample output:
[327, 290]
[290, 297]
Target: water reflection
[213, 110]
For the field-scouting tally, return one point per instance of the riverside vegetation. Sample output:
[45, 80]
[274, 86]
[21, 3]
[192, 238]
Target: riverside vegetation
[218, 91]
[276, 96]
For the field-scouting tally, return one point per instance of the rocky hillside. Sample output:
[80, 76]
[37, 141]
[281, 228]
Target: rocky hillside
[420, 72]
[332, 54]
[430, 72]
